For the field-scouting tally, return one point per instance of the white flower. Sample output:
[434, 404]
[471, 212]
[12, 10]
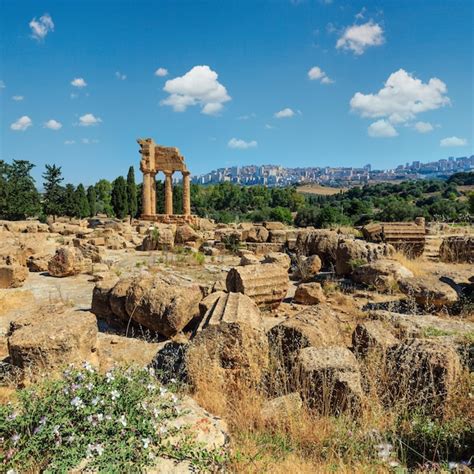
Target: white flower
[98, 448]
[15, 438]
[114, 394]
[77, 402]
[146, 442]
[151, 387]
[122, 420]
[163, 390]
[88, 367]
[95, 401]
[56, 430]
[174, 398]
[109, 376]
[90, 386]
[173, 380]
[100, 416]
[163, 430]
[156, 412]
[151, 371]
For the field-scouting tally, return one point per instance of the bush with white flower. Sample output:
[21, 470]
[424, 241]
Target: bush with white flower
[116, 422]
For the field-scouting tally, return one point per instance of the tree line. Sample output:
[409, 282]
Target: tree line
[226, 202]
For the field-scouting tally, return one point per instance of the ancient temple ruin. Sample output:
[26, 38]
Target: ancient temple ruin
[156, 158]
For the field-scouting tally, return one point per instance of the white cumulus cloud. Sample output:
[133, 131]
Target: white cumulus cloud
[453, 141]
[79, 82]
[317, 74]
[161, 72]
[88, 120]
[69, 142]
[17, 98]
[423, 127]
[381, 129]
[40, 28]
[357, 38]
[53, 124]
[284, 113]
[241, 144]
[199, 86]
[402, 98]
[21, 124]
[120, 76]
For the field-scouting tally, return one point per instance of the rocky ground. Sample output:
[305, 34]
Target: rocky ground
[310, 323]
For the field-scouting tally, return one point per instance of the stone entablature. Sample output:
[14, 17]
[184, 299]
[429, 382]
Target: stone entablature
[156, 158]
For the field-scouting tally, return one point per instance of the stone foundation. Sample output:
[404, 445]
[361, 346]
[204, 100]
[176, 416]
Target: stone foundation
[178, 219]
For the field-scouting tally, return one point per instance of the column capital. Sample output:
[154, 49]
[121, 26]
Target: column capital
[186, 173]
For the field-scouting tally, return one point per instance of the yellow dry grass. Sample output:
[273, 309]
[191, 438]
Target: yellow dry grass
[418, 266]
[319, 190]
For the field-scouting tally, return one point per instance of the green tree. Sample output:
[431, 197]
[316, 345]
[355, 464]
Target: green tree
[471, 203]
[91, 197]
[81, 203]
[132, 193]
[70, 207]
[103, 189]
[3, 188]
[119, 197]
[53, 199]
[21, 197]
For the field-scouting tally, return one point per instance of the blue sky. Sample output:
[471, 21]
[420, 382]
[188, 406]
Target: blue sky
[296, 83]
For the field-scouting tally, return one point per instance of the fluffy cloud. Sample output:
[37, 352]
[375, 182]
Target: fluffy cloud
[453, 141]
[423, 127]
[40, 28]
[316, 73]
[199, 86]
[21, 124]
[381, 129]
[70, 142]
[2, 85]
[161, 72]
[402, 98]
[357, 38]
[241, 144]
[120, 76]
[284, 113]
[79, 82]
[53, 124]
[89, 141]
[88, 120]
[17, 98]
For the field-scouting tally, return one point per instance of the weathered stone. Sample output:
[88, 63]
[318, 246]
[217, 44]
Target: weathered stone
[458, 249]
[317, 326]
[381, 274]
[100, 305]
[115, 242]
[309, 294]
[185, 233]
[286, 406]
[274, 225]
[38, 263]
[277, 236]
[51, 338]
[372, 335]
[206, 303]
[161, 306]
[12, 276]
[116, 350]
[351, 253]
[89, 251]
[249, 259]
[118, 297]
[66, 262]
[266, 284]
[257, 234]
[428, 291]
[229, 337]
[319, 242]
[308, 267]
[330, 379]
[159, 238]
[424, 373]
[278, 257]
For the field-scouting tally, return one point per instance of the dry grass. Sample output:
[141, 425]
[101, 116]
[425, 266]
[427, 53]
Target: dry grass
[319, 190]
[418, 266]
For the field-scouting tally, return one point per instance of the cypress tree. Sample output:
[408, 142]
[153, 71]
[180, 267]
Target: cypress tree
[21, 197]
[53, 202]
[132, 193]
[119, 197]
[69, 200]
[91, 197]
[103, 190]
[81, 202]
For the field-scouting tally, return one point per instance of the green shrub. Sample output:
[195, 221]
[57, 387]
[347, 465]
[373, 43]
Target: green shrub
[116, 422]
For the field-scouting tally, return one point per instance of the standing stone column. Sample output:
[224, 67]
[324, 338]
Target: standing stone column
[186, 194]
[153, 194]
[146, 194]
[169, 193]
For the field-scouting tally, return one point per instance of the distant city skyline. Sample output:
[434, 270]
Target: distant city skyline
[307, 82]
[277, 175]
